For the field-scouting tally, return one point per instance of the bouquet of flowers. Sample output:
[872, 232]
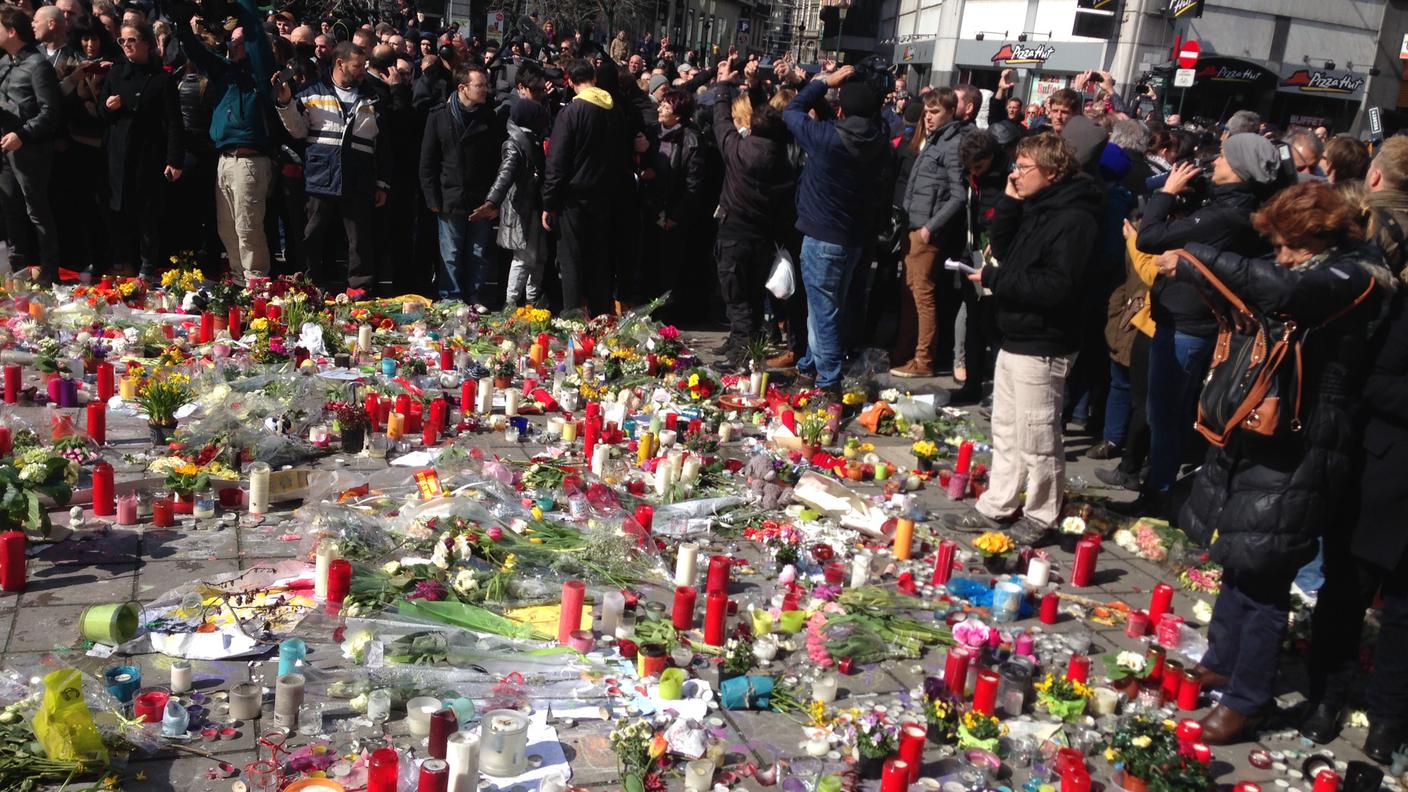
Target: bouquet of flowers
[1205, 577]
[876, 736]
[1062, 697]
[187, 479]
[811, 426]
[1151, 540]
[184, 275]
[33, 473]
[698, 384]
[976, 730]
[348, 417]
[639, 754]
[667, 343]
[162, 393]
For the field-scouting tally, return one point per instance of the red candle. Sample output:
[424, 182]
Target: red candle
[943, 563]
[1247, 786]
[672, 420]
[403, 404]
[1169, 685]
[372, 405]
[1160, 602]
[440, 413]
[1201, 752]
[12, 561]
[985, 692]
[1154, 660]
[273, 312]
[55, 383]
[447, 359]
[965, 457]
[718, 574]
[683, 614]
[105, 381]
[896, 775]
[207, 327]
[149, 705]
[383, 411]
[381, 768]
[98, 422]
[715, 614]
[1078, 670]
[339, 580]
[1189, 689]
[235, 322]
[417, 414]
[593, 409]
[431, 435]
[7, 441]
[1326, 780]
[591, 433]
[443, 723]
[12, 383]
[163, 513]
[468, 391]
[645, 515]
[1136, 624]
[103, 503]
[1075, 778]
[168, 331]
[260, 308]
[434, 776]
[1050, 602]
[956, 670]
[912, 739]
[1084, 572]
[570, 618]
[1189, 731]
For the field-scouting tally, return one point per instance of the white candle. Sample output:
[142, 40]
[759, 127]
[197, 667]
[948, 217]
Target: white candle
[1038, 572]
[824, 688]
[327, 553]
[511, 402]
[364, 339]
[667, 437]
[676, 464]
[485, 394]
[699, 776]
[860, 569]
[690, 471]
[613, 604]
[180, 676]
[664, 477]
[725, 432]
[600, 453]
[755, 383]
[686, 565]
[462, 752]
[259, 488]
[418, 712]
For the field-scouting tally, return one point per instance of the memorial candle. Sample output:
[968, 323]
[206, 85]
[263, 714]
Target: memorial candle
[382, 770]
[98, 422]
[259, 487]
[105, 381]
[468, 391]
[719, 567]
[103, 503]
[985, 692]
[1160, 601]
[322, 562]
[12, 383]
[1078, 670]
[462, 754]
[443, 723]
[912, 739]
[683, 614]
[613, 604]
[1083, 573]
[686, 564]
[1050, 602]
[943, 563]
[965, 457]
[895, 777]
[570, 618]
[904, 538]
[956, 670]
[715, 616]
[12, 562]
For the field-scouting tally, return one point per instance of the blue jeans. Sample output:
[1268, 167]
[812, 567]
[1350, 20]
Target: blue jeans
[826, 272]
[1177, 363]
[1244, 637]
[465, 249]
[1118, 405]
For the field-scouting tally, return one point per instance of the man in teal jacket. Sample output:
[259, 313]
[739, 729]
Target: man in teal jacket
[239, 128]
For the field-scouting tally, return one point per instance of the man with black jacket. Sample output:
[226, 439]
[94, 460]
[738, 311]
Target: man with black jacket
[586, 155]
[29, 120]
[459, 158]
[1182, 345]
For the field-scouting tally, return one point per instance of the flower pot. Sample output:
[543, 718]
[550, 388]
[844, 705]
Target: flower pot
[870, 767]
[924, 464]
[353, 439]
[1130, 783]
[810, 450]
[940, 735]
[1068, 541]
[996, 564]
[1129, 686]
[222, 321]
[502, 382]
[161, 433]
[184, 503]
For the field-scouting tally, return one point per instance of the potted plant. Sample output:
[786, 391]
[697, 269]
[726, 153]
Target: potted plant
[1126, 671]
[352, 422]
[942, 714]
[811, 428]
[976, 730]
[1062, 697]
[1148, 753]
[160, 395]
[185, 480]
[924, 453]
[876, 741]
[1071, 530]
[30, 475]
[503, 369]
[994, 547]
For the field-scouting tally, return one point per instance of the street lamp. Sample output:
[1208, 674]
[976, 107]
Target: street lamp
[842, 6]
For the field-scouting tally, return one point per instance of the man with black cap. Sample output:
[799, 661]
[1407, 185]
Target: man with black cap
[835, 206]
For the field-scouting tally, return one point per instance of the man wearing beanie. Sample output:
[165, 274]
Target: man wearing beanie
[835, 207]
[1182, 348]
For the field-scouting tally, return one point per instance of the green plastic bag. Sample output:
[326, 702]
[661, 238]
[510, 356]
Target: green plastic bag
[64, 724]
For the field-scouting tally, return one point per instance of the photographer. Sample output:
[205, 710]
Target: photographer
[1183, 343]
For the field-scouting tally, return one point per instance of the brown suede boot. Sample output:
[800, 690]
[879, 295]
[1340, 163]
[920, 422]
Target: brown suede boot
[1226, 726]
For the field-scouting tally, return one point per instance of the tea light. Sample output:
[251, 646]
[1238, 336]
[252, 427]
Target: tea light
[418, 712]
[503, 745]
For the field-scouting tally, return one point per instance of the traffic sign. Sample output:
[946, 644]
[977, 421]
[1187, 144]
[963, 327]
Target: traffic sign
[1183, 78]
[1188, 54]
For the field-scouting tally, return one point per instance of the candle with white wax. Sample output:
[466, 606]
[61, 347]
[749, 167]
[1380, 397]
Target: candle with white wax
[485, 394]
[676, 463]
[327, 553]
[511, 402]
[462, 753]
[259, 487]
[600, 454]
[613, 604]
[686, 565]
[664, 477]
[725, 432]
[690, 471]
[364, 339]
[1038, 572]
[418, 712]
[668, 437]
[860, 570]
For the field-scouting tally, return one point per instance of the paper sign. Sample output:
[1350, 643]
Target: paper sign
[429, 483]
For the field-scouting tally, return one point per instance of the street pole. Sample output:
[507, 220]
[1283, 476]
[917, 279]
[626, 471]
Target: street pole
[1182, 94]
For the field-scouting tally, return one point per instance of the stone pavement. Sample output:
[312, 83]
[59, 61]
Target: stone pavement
[39, 627]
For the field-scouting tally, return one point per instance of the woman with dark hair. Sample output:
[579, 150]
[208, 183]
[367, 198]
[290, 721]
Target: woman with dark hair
[81, 166]
[985, 162]
[681, 210]
[1261, 502]
[144, 148]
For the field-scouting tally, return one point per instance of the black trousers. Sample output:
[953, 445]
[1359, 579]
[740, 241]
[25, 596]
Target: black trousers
[355, 216]
[24, 198]
[1244, 636]
[743, 271]
[583, 256]
[1136, 444]
[78, 179]
[1338, 621]
[135, 229]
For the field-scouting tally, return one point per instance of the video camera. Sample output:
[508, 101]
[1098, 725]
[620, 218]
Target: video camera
[875, 71]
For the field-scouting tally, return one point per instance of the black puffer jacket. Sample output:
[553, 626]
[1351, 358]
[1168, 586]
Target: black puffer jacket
[1224, 224]
[1042, 245]
[1261, 502]
[759, 184]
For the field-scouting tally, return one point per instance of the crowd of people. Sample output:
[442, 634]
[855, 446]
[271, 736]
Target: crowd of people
[1079, 254]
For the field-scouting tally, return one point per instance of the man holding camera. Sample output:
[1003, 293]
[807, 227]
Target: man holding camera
[845, 159]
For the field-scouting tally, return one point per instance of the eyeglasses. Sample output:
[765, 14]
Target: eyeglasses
[1023, 170]
[127, 41]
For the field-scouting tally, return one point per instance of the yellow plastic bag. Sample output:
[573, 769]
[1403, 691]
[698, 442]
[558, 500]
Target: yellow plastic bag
[63, 724]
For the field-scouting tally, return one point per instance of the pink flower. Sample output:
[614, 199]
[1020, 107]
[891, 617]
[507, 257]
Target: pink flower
[495, 533]
[669, 332]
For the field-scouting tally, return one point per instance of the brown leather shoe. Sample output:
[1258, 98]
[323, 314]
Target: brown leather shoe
[1226, 726]
[787, 359]
[1209, 678]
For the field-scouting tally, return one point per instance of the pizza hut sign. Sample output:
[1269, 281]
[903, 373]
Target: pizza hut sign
[1023, 54]
[1316, 81]
[1229, 73]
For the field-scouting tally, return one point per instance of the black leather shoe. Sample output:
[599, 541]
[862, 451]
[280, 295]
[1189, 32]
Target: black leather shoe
[1104, 450]
[968, 394]
[1384, 738]
[1321, 723]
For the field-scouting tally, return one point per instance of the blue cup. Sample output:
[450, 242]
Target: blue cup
[290, 652]
[123, 682]
[388, 366]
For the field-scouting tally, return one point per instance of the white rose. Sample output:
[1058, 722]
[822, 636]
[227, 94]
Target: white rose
[463, 549]
[354, 645]
[1131, 661]
[890, 395]
[391, 567]
[441, 557]
[1073, 525]
[464, 582]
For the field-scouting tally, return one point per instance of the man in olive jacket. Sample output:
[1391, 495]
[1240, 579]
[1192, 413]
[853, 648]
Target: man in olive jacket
[29, 121]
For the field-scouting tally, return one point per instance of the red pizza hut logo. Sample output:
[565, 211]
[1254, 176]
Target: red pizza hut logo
[1011, 54]
[1323, 82]
[1229, 74]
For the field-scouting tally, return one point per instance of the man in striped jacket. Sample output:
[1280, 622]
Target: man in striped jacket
[347, 163]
